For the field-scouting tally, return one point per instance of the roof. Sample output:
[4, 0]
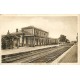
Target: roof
[32, 27]
[16, 33]
[10, 36]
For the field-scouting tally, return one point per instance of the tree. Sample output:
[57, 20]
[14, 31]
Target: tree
[67, 41]
[62, 38]
[3, 41]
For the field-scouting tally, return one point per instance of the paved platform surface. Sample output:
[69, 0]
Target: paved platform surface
[23, 49]
[71, 56]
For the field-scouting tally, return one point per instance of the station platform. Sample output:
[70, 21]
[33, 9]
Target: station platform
[24, 49]
[70, 56]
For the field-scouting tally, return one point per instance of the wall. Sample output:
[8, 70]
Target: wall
[40, 33]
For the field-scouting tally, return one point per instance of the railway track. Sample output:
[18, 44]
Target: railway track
[37, 56]
[50, 57]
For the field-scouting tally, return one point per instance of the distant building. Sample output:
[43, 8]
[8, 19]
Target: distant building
[27, 36]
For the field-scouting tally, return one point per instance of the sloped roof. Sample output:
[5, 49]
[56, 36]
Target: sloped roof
[17, 33]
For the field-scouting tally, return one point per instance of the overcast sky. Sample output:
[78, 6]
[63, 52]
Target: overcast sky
[55, 25]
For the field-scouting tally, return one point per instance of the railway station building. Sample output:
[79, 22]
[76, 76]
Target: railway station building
[27, 36]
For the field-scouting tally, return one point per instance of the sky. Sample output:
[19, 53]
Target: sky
[54, 24]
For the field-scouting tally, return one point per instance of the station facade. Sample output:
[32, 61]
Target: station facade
[27, 36]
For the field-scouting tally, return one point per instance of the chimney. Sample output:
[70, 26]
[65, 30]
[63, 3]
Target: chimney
[8, 32]
[16, 30]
